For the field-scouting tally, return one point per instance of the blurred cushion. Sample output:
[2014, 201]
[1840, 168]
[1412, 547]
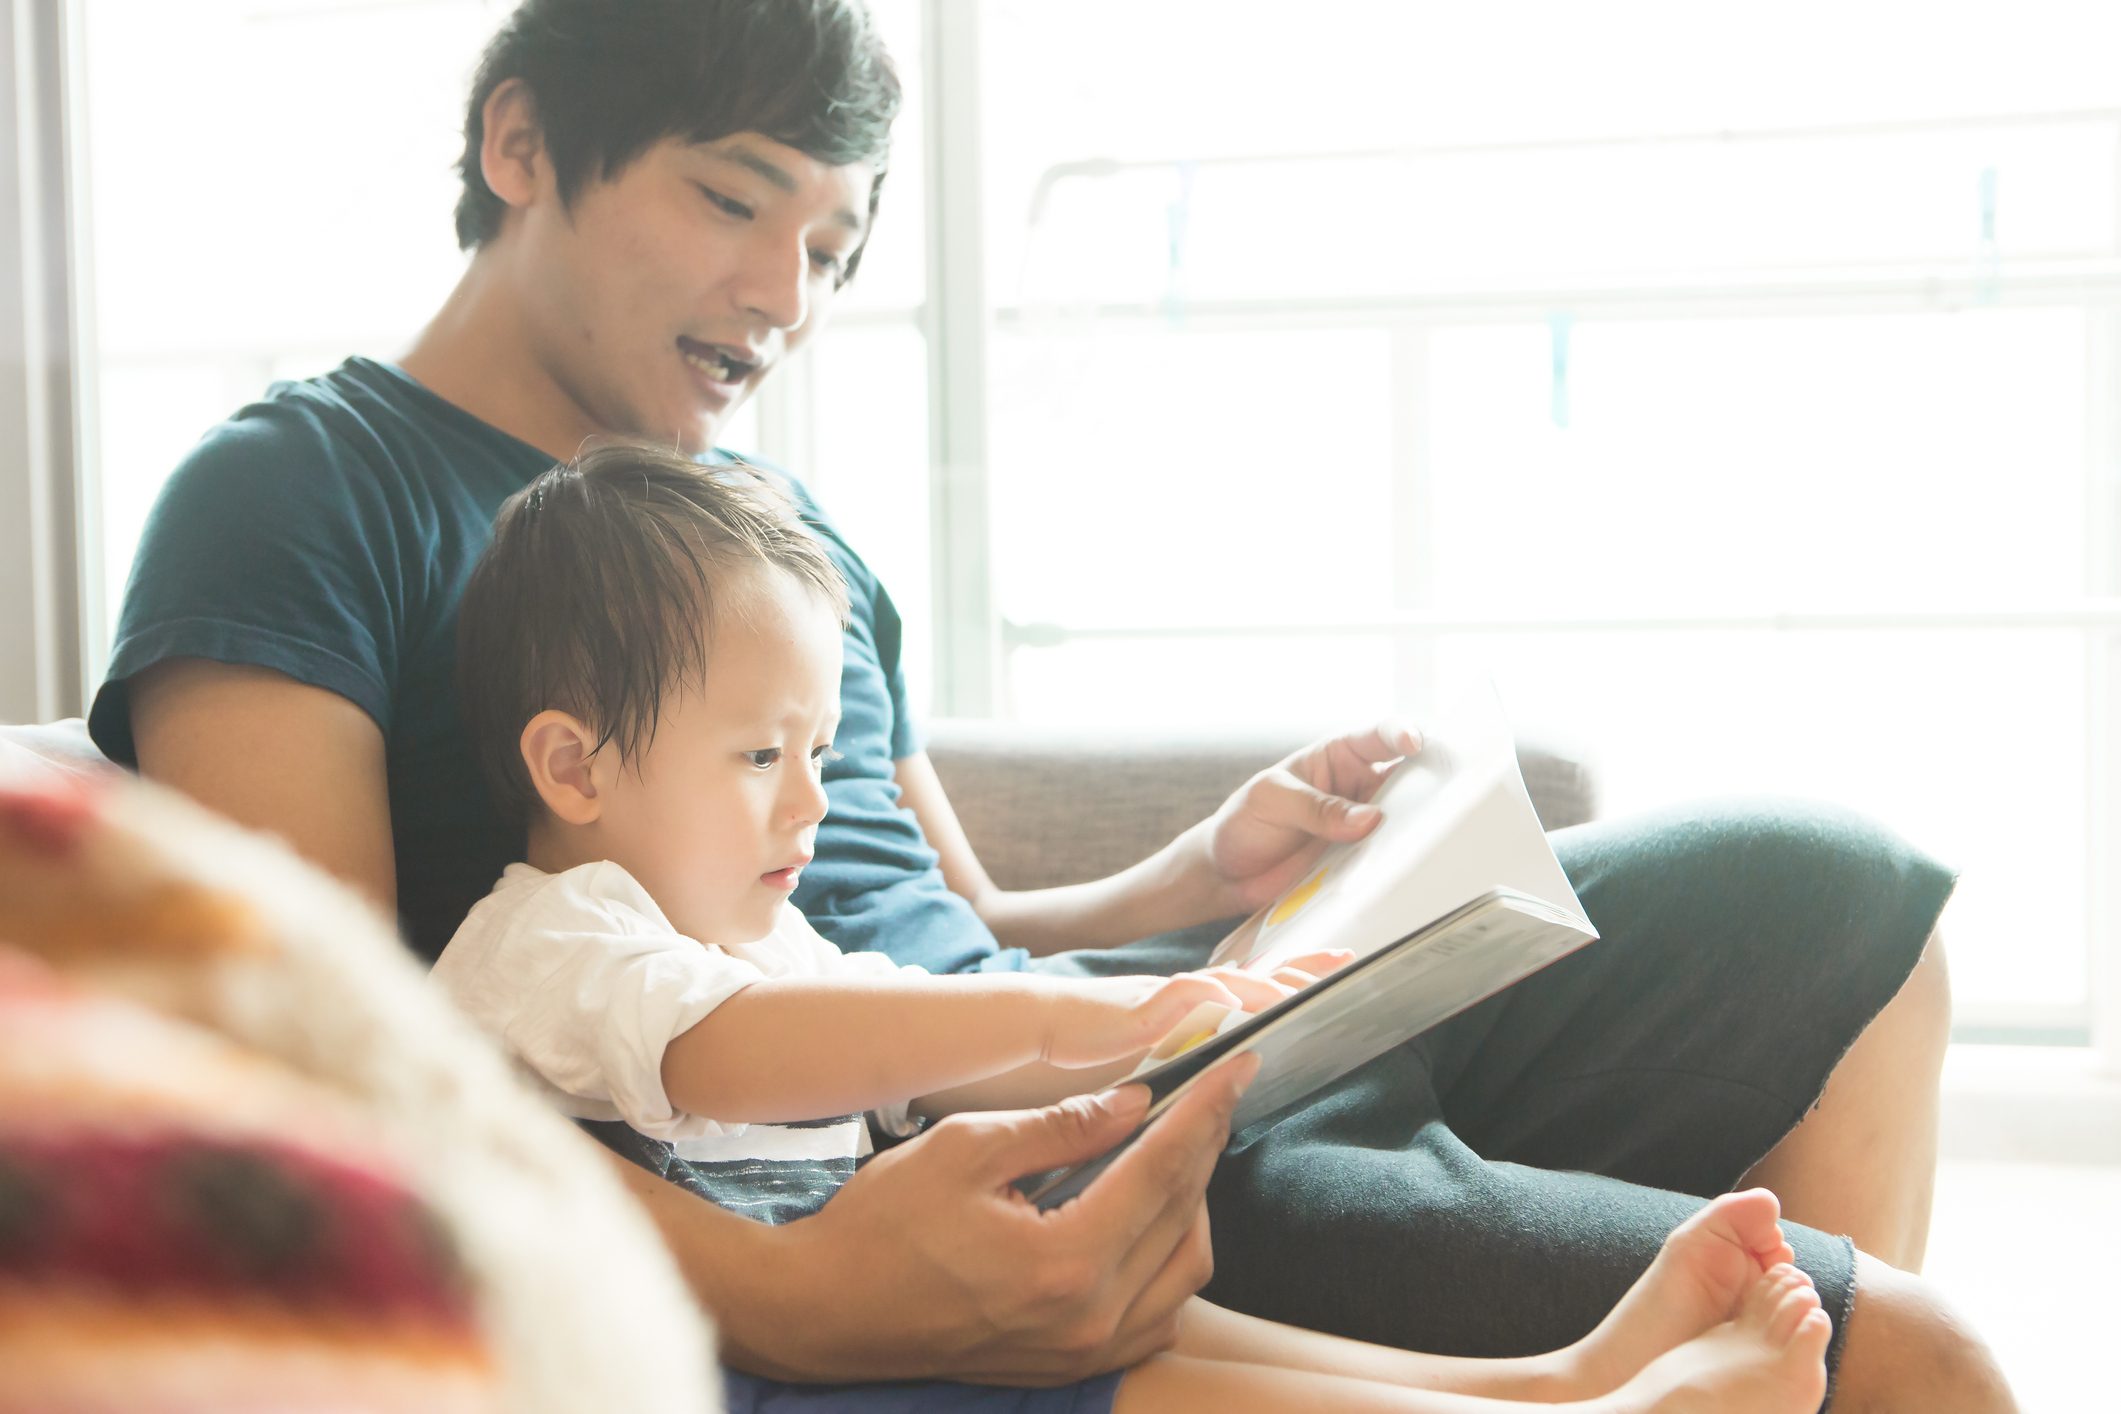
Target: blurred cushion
[250, 1158]
[54, 746]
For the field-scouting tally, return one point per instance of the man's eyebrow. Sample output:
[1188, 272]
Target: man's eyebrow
[778, 177]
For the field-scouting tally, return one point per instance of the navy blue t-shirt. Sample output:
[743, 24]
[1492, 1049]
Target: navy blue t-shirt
[327, 533]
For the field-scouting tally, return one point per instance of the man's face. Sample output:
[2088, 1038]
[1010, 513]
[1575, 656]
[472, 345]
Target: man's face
[662, 297]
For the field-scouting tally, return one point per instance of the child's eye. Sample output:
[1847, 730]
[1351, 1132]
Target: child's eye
[764, 758]
[824, 756]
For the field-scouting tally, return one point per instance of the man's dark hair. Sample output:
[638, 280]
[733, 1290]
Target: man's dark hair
[598, 597]
[611, 78]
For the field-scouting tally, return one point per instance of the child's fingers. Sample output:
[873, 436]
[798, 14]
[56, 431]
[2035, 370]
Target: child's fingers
[1188, 990]
[1253, 992]
[1317, 964]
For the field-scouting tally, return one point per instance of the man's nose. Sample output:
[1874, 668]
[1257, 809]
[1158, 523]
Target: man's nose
[776, 286]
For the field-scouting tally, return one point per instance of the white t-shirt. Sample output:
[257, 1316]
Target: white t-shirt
[585, 982]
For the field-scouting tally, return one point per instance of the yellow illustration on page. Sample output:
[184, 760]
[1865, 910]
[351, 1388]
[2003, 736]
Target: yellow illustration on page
[1292, 903]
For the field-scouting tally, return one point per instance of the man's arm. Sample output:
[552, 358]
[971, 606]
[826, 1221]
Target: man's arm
[929, 1264]
[1258, 844]
[274, 754]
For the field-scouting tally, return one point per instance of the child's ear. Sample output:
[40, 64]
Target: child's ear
[560, 753]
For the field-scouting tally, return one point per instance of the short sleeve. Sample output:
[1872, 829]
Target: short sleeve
[890, 632]
[275, 544]
[588, 991]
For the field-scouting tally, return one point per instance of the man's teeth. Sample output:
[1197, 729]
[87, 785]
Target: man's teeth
[714, 366]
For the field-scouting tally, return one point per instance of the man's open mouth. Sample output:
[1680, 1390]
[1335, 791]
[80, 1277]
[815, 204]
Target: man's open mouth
[718, 361]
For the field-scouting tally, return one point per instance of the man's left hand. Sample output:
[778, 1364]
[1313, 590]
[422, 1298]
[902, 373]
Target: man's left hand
[1277, 824]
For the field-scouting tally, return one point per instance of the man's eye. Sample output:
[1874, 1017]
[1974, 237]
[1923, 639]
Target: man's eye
[724, 204]
[827, 263]
[765, 758]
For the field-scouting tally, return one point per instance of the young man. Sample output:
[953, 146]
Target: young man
[662, 199]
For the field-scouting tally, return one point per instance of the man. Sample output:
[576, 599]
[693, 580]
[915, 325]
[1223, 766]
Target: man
[663, 199]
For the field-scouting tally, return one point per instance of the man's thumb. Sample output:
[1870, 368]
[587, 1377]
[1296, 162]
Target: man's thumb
[1078, 1128]
[1339, 818]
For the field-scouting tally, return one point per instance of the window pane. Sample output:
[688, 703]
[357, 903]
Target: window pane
[1974, 200]
[1930, 461]
[1299, 685]
[871, 470]
[282, 216]
[1973, 744]
[1153, 477]
[1205, 79]
[286, 197]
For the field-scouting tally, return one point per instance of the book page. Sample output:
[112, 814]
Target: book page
[1457, 822]
[1354, 1015]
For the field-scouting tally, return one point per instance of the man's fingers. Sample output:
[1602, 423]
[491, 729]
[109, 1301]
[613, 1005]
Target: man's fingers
[1145, 1199]
[1160, 1209]
[1150, 1324]
[1012, 1145]
[1386, 741]
[1279, 798]
[1354, 764]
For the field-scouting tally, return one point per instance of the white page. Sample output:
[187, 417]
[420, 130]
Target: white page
[1457, 823]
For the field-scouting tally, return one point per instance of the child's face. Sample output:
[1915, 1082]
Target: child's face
[719, 815]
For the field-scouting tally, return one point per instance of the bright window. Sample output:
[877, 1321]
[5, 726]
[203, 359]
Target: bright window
[1746, 404]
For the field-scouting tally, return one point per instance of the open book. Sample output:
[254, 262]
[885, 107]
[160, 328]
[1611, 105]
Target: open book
[1454, 896]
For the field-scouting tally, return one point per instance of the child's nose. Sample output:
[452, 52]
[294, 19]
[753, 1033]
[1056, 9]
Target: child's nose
[810, 802]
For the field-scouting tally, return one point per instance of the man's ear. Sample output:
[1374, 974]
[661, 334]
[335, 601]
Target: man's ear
[561, 755]
[512, 152]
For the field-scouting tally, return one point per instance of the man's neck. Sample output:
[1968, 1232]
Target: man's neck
[476, 353]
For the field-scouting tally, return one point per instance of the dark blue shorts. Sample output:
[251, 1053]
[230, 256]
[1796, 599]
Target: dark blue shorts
[1491, 1188]
[750, 1395]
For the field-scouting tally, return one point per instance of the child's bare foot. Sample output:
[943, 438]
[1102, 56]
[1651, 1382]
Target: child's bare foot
[1697, 1281]
[1770, 1358]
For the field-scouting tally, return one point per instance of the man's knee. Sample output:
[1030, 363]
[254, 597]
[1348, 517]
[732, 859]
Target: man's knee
[1906, 1349]
[1928, 990]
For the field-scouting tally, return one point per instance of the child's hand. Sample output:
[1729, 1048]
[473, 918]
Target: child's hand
[1122, 1018]
[1259, 986]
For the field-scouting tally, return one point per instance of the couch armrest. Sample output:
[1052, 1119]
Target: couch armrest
[1044, 807]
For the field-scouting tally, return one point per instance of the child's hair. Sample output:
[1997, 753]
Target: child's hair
[598, 594]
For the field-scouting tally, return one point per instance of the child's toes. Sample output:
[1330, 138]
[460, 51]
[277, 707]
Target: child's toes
[1793, 1307]
[1813, 1332]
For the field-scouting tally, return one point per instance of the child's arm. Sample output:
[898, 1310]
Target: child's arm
[1042, 1083]
[789, 1049]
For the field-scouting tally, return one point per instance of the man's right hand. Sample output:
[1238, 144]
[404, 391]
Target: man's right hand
[930, 1264]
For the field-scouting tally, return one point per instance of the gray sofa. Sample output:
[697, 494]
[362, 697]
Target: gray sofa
[1041, 807]
[1044, 807]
